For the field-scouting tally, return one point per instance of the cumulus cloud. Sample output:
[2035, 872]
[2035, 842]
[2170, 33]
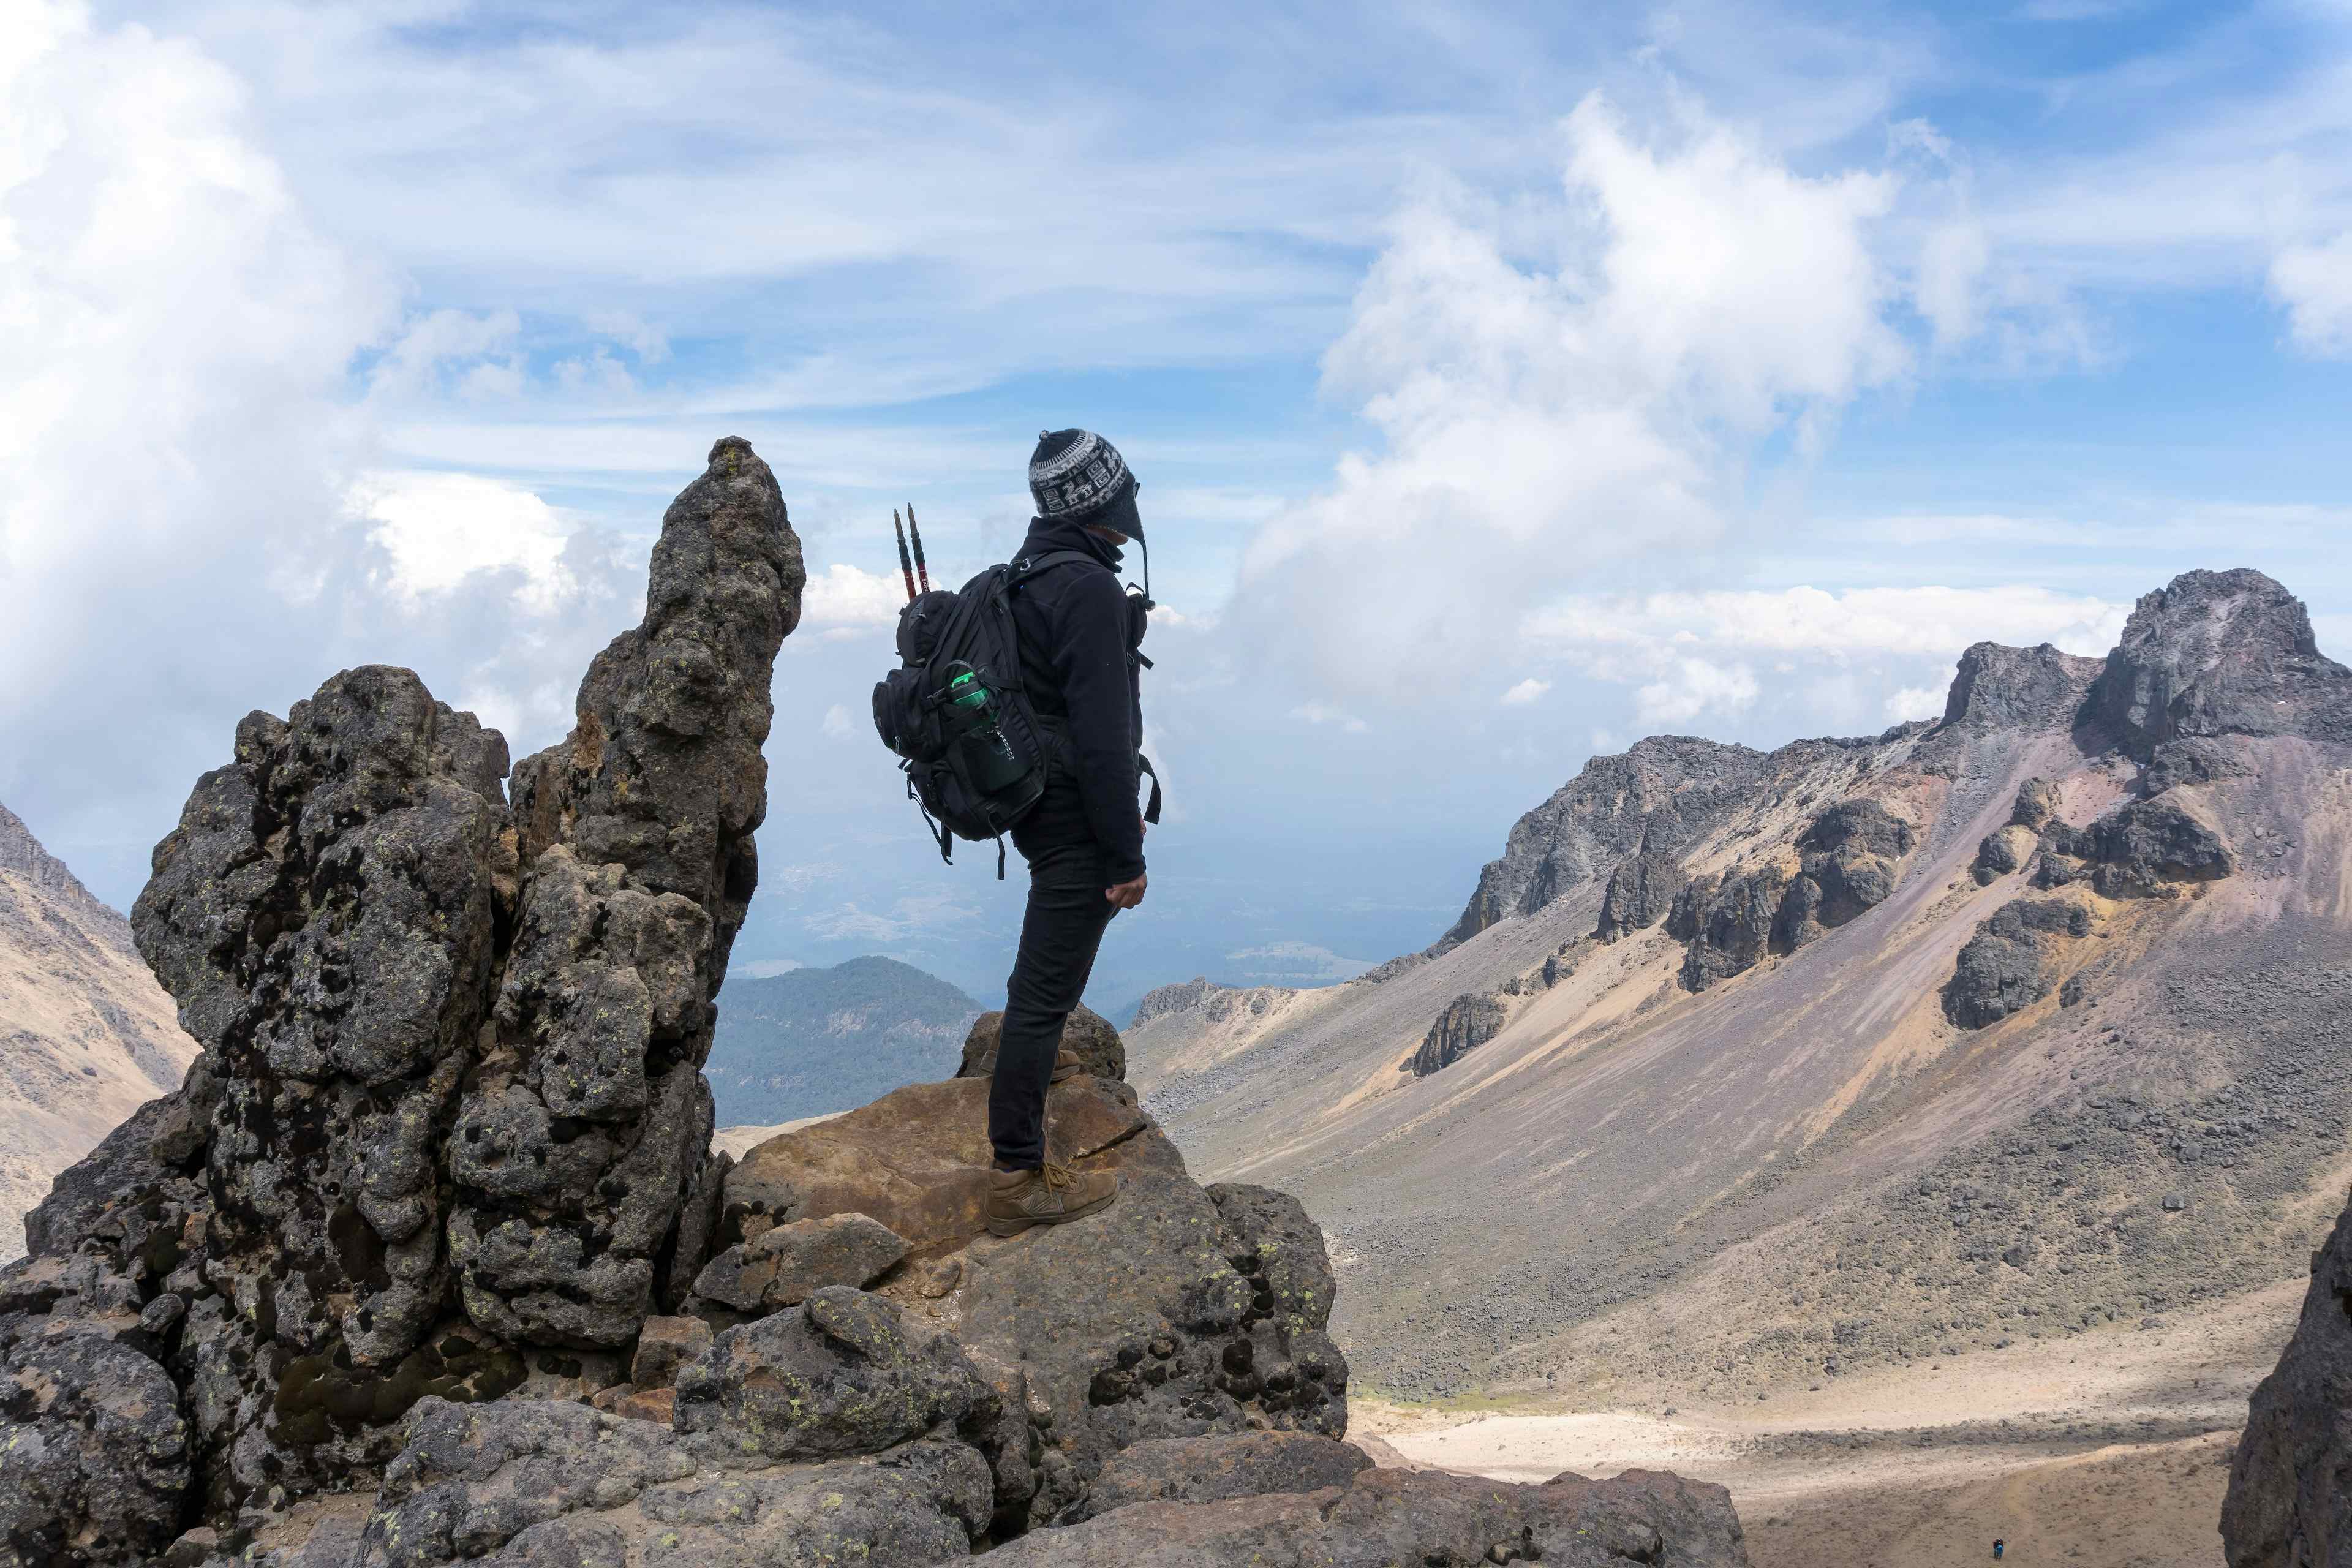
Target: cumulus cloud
[1525, 692]
[836, 722]
[2316, 282]
[846, 601]
[1933, 621]
[907, 917]
[439, 528]
[1539, 421]
[1916, 702]
[191, 379]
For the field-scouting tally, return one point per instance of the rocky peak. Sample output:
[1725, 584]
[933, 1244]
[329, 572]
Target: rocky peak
[21, 853]
[2219, 653]
[1657, 792]
[2017, 687]
[1176, 998]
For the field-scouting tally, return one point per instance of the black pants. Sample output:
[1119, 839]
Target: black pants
[1060, 935]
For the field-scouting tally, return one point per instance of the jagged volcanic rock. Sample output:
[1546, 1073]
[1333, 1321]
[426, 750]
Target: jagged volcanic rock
[2221, 653]
[1641, 891]
[2017, 687]
[1212, 1469]
[1467, 1023]
[449, 1106]
[2286, 1506]
[1653, 792]
[2013, 961]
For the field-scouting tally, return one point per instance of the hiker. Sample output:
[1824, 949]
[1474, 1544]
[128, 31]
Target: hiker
[1080, 635]
[1999, 1546]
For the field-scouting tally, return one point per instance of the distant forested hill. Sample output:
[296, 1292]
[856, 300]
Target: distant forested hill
[818, 1040]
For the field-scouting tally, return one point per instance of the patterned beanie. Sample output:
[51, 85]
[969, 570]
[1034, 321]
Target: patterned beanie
[1076, 476]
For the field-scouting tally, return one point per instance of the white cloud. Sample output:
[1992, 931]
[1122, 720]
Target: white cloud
[836, 722]
[1525, 691]
[440, 528]
[1691, 687]
[1933, 621]
[2316, 282]
[846, 601]
[1324, 713]
[1916, 702]
[764, 968]
[1541, 423]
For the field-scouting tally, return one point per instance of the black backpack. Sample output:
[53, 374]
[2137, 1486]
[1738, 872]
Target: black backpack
[957, 710]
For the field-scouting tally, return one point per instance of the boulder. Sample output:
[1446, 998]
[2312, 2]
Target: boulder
[1730, 924]
[845, 1373]
[1212, 1469]
[2038, 804]
[916, 1161]
[1085, 1033]
[1411, 1517]
[2150, 847]
[783, 1266]
[548, 1484]
[1467, 1023]
[2286, 1506]
[664, 1345]
[2012, 960]
[2001, 852]
[95, 1455]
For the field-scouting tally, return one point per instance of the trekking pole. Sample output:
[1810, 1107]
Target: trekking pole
[920, 570]
[905, 568]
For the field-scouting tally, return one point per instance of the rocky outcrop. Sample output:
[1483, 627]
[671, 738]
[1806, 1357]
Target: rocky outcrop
[2150, 848]
[2013, 960]
[1467, 1023]
[1657, 793]
[1641, 892]
[448, 1118]
[2018, 689]
[2285, 1507]
[1846, 861]
[1413, 1517]
[2219, 653]
[1085, 1033]
[1204, 1311]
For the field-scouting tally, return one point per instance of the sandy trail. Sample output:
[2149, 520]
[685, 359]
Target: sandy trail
[2109, 1447]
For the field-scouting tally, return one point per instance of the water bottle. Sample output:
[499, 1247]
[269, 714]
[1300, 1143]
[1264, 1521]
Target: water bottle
[987, 752]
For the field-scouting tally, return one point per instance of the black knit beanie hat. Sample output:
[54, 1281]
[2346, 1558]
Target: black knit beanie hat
[1076, 476]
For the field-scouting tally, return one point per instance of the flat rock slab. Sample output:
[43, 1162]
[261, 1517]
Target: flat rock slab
[1411, 1517]
[781, 1267]
[1212, 1469]
[916, 1160]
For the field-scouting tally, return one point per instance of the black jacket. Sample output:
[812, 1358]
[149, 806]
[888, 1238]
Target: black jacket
[1079, 636]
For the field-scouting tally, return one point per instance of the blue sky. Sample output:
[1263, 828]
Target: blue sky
[1507, 383]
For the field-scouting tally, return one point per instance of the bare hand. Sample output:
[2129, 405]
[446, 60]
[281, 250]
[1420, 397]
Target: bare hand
[1126, 895]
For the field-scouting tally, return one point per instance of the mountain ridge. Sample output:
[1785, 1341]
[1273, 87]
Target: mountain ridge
[1730, 1063]
[85, 1034]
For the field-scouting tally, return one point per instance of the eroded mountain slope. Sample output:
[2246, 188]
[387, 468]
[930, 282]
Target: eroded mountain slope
[1857, 1051]
[86, 1034]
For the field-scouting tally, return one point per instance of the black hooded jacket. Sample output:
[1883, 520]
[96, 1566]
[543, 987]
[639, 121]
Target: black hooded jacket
[1079, 633]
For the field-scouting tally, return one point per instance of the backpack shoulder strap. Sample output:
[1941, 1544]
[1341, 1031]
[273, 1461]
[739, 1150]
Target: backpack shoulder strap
[1024, 567]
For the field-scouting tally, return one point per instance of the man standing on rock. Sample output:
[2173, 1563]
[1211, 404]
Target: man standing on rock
[1081, 636]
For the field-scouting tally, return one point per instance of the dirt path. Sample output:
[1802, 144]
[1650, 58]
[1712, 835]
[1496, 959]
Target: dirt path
[2109, 1449]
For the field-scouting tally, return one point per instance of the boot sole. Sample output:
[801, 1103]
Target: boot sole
[1007, 1228]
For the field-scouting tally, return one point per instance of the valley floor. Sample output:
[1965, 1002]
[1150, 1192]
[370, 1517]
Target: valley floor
[2110, 1448]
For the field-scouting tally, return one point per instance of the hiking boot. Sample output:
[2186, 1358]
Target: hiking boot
[1019, 1199]
[1065, 1066]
